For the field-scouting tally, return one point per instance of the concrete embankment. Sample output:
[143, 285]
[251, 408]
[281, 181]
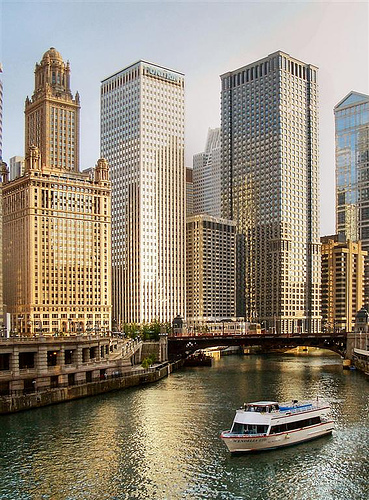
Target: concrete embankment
[132, 378]
[361, 361]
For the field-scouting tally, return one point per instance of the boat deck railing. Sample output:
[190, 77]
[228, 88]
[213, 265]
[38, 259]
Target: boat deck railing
[288, 409]
[302, 407]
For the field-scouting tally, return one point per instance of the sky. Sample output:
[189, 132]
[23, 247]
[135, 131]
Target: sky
[200, 39]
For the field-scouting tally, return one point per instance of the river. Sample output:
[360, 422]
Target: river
[162, 441]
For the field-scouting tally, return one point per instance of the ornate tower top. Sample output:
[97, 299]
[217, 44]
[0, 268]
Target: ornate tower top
[52, 76]
[102, 170]
[53, 55]
[52, 115]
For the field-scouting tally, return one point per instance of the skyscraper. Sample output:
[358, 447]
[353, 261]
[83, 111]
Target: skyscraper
[206, 176]
[142, 137]
[2, 171]
[352, 154]
[56, 220]
[1, 113]
[270, 183]
[16, 167]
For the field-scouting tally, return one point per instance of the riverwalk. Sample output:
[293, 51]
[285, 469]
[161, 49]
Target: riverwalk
[37, 372]
[117, 380]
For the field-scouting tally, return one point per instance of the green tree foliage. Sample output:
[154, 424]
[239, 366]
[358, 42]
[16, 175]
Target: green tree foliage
[131, 330]
[148, 361]
[147, 331]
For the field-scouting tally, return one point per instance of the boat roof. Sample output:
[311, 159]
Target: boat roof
[263, 403]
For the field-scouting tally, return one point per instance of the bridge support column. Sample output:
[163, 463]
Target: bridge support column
[358, 340]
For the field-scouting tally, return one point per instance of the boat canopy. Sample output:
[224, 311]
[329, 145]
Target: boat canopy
[261, 406]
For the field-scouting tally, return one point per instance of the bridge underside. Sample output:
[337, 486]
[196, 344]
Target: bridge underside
[181, 346]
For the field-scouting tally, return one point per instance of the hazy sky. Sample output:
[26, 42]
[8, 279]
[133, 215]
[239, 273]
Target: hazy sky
[200, 39]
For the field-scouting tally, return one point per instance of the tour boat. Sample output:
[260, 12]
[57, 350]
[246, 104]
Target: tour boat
[266, 425]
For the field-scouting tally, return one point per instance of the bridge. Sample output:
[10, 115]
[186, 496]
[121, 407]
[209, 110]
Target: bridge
[180, 345]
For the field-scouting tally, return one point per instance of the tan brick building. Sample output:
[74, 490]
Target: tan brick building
[210, 269]
[56, 220]
[342, 282]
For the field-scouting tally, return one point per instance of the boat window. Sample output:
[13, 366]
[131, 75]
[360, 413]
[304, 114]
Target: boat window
[238, 428]
[299, 424]
[249, 429]
[256, 429]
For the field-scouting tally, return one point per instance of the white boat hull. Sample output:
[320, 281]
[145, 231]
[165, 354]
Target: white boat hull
[237, 443]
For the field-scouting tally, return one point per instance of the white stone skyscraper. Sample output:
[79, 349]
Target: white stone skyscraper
[142, 137]
[206, 176]
[270, 183]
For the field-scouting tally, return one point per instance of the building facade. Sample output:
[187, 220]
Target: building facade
[206, 176]
[352, 184]
[189, 191]
[56, 220]
[270, 187]
[16, 167]
[142, 137]
[1, 113]
[342, 282]
[3, 170]
[210, 269]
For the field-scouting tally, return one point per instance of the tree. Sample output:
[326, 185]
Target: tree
[131, 330]
[148, 361]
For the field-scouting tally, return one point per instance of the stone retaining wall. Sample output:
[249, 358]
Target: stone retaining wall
[12, 404]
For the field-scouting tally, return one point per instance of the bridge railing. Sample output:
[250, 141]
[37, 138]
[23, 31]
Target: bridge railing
[257, 335]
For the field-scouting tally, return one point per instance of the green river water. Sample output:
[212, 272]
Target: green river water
[162, 441]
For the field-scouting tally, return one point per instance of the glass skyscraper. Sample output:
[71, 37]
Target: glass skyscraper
[142, 137]
[270, 188]
[352, 171]
[206, 176]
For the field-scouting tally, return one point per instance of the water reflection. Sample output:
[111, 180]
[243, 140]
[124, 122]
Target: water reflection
[162, 441]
